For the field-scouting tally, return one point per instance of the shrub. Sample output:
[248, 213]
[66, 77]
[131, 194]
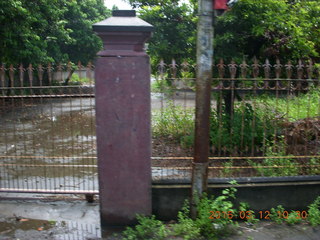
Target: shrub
[274, 214]
[276, 163]
[315, 168]
[293, 218]
[186, 227]
[246, 129]
[204, 226]
[314, 212]
[148, 228]
[76, 80]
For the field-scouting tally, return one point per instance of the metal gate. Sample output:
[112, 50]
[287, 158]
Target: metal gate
[47, 130]
[265, 122]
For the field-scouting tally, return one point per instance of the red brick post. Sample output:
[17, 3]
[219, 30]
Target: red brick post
[122, 91]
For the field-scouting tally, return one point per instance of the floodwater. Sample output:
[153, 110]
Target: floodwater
[50, 144]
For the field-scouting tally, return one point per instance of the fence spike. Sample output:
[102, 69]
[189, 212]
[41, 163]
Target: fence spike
[49, 69]
[40, 74]
[173, 68]
[161, 68]
[278, 67]
[30, 74]
[255, 67]
[233, 69]
[185, 66]
[289, 68]
[221, 68]
[11, 75]
[267, 68]
[244, 68]
[21, 74]
[300, 69]
[310, 69]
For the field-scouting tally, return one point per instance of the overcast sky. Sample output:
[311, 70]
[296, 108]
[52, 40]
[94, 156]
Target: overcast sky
[122, 5]
[119, 3]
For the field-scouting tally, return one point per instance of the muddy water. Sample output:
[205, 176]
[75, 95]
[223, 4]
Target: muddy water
[48, 144]
[51, 143]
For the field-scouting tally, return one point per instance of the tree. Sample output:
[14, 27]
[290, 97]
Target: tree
[150, 3]
[79, 17]
[175, 29]
[285, 29]
[23, 24]
[269, 29]
[39, 31]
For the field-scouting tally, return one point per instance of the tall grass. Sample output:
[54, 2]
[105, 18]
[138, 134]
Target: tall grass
[174, 122]
[294, 107]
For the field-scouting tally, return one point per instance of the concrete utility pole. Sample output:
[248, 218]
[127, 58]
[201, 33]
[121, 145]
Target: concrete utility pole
[203, 92]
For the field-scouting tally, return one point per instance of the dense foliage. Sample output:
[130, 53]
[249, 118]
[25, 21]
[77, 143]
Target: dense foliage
[285, 29]
[272, 28]
[175, 30]
[38, 31]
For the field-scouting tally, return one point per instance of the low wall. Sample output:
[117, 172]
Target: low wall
[293, 193]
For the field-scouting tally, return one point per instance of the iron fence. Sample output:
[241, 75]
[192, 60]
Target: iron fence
[264, 122]
[265, 118]
[47, 131]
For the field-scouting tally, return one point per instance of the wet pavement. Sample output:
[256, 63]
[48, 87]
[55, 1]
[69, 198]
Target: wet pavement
[78, 219]
[268, 230]
[49, 220]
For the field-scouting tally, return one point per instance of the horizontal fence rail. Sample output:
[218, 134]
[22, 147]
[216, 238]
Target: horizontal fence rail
[265, 121]
[265, 118]
[47, 135]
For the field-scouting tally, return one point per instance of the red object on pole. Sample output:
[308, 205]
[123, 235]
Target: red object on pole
[220, 4]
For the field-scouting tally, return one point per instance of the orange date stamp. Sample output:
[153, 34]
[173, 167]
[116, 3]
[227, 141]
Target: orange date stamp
[266, 215]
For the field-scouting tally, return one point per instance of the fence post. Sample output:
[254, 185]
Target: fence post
[122, 88]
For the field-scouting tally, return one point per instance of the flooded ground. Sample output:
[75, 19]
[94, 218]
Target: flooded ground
[50, 143]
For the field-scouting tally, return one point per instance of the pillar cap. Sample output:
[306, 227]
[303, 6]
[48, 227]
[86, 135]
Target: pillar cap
[123, 21]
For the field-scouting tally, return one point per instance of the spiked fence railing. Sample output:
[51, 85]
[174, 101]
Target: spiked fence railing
[265, 118]
[265, 121]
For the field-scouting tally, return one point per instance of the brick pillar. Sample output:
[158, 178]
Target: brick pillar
[122, 89]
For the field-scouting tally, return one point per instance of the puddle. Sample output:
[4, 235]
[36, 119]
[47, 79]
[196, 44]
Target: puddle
[20, 228]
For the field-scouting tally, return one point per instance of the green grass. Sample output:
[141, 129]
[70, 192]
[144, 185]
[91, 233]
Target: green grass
[76, 80]
[293, 108]
[173, 122]
[255, 127]
[280, 163]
